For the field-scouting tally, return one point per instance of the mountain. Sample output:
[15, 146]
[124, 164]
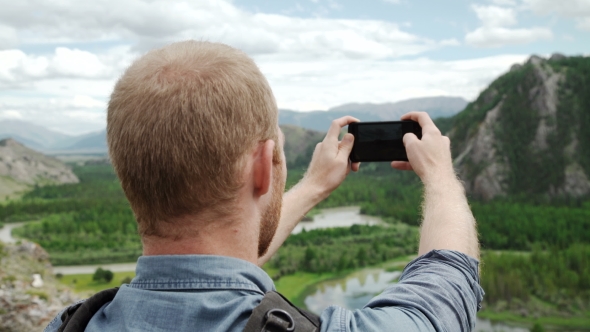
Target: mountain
[92, 142]
[528, 133]
[22, 168]
[42, 139]
[320, 120]
[33, 136]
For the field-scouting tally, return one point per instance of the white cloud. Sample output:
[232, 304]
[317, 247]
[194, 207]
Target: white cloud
[578, 9]
[504, 2]
[494, 31]
[10, 114]
[492, 16]
[20, 70]
[584, 23]
[158, 22]
[57, 113]
[568, 8]
[8, 37]
[311, 63]
[450, 42]
[498, 36]
[314, 85]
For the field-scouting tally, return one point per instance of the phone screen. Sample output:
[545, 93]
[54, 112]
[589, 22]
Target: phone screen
[381, 141]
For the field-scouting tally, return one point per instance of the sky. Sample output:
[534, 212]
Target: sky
[59, 59]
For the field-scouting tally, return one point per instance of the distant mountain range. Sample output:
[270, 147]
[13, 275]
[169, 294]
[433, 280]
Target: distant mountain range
[46, 140]
[437, 107]
[53, 142]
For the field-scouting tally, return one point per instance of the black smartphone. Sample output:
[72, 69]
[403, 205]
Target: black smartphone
[381, 141]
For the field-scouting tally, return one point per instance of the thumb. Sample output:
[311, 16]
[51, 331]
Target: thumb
[409, 138]
[345, 146]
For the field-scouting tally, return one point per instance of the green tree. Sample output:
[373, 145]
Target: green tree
[537, 328]
[101, 275]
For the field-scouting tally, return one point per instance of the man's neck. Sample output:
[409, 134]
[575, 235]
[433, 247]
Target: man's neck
[237, 239]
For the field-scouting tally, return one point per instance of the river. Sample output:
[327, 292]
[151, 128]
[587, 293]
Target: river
[338, 217]
[352, 291]
[6, 232]
[334, 217]
[356, 289]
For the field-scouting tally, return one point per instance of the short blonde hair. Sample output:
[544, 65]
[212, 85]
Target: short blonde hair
[180, 121]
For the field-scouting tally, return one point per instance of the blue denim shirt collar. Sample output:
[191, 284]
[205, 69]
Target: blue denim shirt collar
[183, 272]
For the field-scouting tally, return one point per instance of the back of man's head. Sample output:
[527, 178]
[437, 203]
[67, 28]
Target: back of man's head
[180, 122]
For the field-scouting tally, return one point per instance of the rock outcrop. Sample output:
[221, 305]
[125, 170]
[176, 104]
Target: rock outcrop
[22, 168]
[522, 135]
[26, 304]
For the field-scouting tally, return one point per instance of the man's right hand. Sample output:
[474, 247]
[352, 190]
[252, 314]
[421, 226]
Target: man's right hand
[429, 157]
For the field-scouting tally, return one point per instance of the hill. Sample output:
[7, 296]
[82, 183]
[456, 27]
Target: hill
[320, 120]
[527, 134]
[24, 307]
[300, 144]
[22, 168]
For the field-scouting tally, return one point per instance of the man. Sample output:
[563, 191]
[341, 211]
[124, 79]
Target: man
[194, 138]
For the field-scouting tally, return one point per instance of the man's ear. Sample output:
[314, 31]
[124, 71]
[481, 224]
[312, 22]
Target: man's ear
[262, 168]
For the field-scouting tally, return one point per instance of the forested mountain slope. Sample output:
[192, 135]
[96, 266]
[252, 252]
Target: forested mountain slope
[528, 133]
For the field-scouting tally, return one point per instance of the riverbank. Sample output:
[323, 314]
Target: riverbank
[550, 323]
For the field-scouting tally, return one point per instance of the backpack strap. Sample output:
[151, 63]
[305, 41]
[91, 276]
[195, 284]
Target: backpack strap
[276, 314]
[76, 317]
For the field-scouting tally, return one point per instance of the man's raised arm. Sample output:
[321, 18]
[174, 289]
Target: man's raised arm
[448, 222]
[328, 168]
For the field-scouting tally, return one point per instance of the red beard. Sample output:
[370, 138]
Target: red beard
[272, 215]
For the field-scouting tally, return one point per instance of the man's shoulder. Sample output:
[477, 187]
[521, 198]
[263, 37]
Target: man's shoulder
[54, 325]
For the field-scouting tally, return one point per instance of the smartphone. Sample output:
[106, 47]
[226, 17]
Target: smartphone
[381, 141]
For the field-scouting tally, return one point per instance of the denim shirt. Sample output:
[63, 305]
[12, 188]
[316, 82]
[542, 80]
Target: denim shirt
[438, 291]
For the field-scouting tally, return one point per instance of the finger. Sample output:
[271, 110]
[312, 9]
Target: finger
[447, 140]
[423, 119]
[334, 131]
[409, 139]
[355, 166]
[402, 165]
[345, 146]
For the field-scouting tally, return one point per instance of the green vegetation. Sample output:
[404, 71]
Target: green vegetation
[86, 223]
[85, 284]
[518, 226]
[343, 249]
[573, 118]
[102, 275]
[549, 286]
[98, 185]
[558, 277]
[566, 323]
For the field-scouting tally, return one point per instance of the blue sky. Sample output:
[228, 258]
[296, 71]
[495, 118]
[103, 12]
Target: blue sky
[60, 59]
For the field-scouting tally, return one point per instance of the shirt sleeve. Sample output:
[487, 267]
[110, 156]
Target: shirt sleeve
[438, 291]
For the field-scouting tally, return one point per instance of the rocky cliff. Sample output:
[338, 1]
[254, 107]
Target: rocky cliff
[528, 133]
[30, 297]
[22, 168]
